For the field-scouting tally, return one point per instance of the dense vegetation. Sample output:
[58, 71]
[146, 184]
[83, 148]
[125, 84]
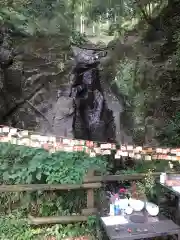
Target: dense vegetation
[23, 165]
[32, 17]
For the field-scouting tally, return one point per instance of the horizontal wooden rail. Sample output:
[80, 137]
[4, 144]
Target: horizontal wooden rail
[48, 187]
[56, 219]
[121, 177]
[93, 182]
[89, 211]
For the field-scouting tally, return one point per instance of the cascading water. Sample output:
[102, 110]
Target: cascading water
[88, 113]
[92, 120]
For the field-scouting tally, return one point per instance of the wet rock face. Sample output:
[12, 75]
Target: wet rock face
[92, 119]
[36, 94]
[6, 50]
[6, 60]
[29, 86]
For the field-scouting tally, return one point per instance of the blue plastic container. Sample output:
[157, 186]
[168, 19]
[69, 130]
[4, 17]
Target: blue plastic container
[116, 209]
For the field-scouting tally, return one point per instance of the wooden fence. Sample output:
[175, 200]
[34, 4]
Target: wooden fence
[91, 183]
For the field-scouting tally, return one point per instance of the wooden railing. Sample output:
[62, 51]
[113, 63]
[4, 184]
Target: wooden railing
[91, 183]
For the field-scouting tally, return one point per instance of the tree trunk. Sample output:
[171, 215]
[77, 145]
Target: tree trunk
[73, 13]
[82, 18]
[93, 29]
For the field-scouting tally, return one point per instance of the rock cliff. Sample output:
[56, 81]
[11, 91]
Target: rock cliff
[36, 95]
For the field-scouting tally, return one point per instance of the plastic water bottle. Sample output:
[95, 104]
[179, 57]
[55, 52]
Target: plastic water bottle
[116, 207]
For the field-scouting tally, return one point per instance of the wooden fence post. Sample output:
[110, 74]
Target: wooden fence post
[90, 192]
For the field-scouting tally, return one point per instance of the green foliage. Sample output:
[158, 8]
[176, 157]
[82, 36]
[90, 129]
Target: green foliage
[28, 165]
[21, 164]
[128, 81]
[33, 18]
[146, 188]
[125, 77]
[115, 28]
[24, 165]
[15, 228]
[60, 16]
[170, 134]
[78, 38]
[143, 166]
